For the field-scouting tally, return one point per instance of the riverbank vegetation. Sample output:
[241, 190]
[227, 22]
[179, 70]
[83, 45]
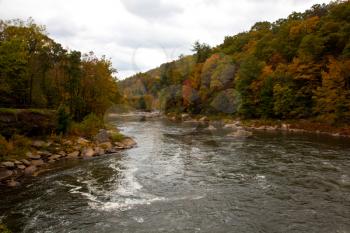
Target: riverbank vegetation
[297, 68]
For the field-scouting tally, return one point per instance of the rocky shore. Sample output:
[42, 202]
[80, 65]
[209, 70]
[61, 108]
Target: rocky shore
[43, 153]
[243, 128]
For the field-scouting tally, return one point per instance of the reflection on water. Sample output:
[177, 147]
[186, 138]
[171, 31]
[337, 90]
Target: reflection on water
[183, 178]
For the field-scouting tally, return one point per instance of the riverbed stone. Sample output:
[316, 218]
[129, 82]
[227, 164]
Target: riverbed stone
[62, 153]
[9, 165]
[38, 162]
[99, 151]
[5, 173]
[30, 170]
[33, 156]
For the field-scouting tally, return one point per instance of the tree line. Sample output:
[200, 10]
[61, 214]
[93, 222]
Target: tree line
[294, 68]
[37, 72]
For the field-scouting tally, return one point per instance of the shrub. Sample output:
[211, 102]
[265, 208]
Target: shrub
[89, 127]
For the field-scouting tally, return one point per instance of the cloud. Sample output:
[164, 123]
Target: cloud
[141, 34]
[151, 9]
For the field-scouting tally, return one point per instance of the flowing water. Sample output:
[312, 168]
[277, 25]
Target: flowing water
[182, 178]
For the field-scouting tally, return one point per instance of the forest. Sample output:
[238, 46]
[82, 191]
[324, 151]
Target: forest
[38, 73]
[294, 68]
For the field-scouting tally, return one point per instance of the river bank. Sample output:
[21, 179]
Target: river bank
[42, 154]
[296, 126]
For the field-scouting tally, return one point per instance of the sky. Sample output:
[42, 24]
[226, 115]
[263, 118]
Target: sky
[138, 35]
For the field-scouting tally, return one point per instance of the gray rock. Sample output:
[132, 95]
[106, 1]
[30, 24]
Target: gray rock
[102, 136]
[9, 165]
[88, 152]
[30, 170]
[73, 155]
[25, 162]
[17, 162]
[38, 162]
[32, 156]
[5, 173]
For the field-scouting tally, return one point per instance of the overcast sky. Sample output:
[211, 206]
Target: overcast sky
[141, 34]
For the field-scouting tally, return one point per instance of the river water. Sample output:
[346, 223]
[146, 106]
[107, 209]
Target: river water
[183, 178]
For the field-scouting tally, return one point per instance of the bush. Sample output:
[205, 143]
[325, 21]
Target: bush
[89, 127]
[63, 120]
[117, 137]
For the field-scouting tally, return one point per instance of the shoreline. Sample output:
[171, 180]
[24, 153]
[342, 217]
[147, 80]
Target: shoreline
[293, 126]
[43, 153]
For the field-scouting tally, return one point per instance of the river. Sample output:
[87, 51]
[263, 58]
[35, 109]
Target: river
[183, 178]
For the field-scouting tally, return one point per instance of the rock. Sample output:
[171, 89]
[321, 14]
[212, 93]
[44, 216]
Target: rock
[88, 152]
[9, 165]
[204, 119]
[51, 161]
[12, 183]
[5, 174]
[38, 143]
[54, 157]
[99, 151]
[32, 156]
[62, 153]
[22, 167]
[185, 116]
[67, 142]
[82, 141]
[285, 126]
[30, 170]
[230, 126]
[105, 145]
[119, 145]
[17, 162]
[102, 136]
[241, 134]
[38, 162]
[25, 162]
[211, 127]
[44, 153]
[128, 142]
[73, 155]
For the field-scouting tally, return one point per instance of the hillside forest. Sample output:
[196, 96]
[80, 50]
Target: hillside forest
[294, 68]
